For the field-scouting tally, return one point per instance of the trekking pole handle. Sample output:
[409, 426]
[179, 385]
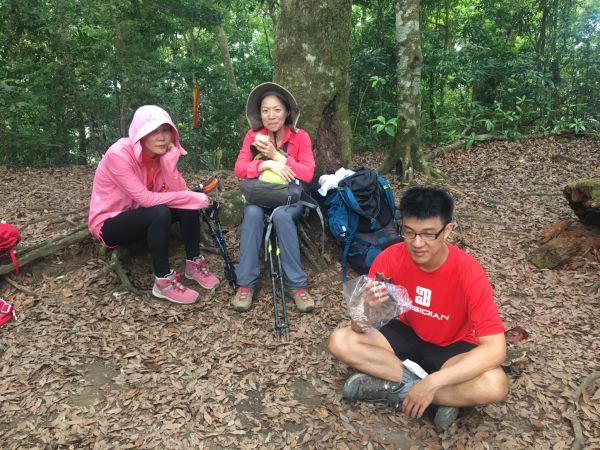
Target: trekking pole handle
[208, 186]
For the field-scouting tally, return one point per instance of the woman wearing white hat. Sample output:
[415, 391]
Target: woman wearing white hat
[286, 152]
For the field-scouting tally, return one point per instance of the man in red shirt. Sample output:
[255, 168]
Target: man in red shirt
[453, 329]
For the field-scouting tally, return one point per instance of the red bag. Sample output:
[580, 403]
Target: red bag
[7, 312]
[9, 238]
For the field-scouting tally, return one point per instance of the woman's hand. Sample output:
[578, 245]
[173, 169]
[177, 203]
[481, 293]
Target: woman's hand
[268, 150]
[169, 160]
[280, 169]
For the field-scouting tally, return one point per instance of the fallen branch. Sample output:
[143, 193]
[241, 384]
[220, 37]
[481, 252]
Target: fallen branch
[514, 233]
[477, 218]
[579, 441]
[440, 150]
[47, 248]
[19, 286]
[561, 157]
[593, 288]
[60, 216]
[541, 194]
[480, 138]
[70, 219]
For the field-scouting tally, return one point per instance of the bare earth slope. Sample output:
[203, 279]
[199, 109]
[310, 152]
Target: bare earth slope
[88, 365]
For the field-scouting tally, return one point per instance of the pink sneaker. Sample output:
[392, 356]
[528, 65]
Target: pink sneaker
[196, 270]
[172, 290]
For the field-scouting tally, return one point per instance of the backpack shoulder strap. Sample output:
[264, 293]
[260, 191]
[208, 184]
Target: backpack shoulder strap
[350, 200]
[389, 197]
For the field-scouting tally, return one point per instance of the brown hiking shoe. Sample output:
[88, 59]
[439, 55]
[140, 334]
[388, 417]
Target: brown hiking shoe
[243, 299]
[304, 302]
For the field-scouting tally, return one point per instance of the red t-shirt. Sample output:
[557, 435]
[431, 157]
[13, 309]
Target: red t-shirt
[453, 303]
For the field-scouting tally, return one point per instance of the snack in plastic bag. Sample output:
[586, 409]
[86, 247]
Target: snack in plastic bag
[374, 312]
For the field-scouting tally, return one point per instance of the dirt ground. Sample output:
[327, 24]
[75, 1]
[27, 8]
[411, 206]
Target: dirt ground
[89, 365]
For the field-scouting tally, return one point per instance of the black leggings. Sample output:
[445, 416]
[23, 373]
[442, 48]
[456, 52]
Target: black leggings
[153, 224]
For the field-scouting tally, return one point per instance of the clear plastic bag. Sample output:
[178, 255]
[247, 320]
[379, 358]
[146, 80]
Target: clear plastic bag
[374, 313]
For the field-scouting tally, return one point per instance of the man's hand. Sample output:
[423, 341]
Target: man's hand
[374, 295]
[356, 327]
[418, 399]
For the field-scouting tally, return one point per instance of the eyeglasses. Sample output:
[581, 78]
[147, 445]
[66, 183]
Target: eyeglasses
[409, 234]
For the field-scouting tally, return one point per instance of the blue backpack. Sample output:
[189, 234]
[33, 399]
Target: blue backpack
[362, 217]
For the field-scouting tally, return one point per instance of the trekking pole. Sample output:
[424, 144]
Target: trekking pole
[286, 324]
[276, 273]
[212, 214]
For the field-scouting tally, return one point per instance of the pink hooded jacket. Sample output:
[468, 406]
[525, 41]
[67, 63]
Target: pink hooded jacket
[119, 182]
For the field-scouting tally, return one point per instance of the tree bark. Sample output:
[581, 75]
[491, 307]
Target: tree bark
[312, 57]
[563, 241]
[584, 199]
[226, 58]
[48, 248]
[541, 41]
[120, 81]
[407, 143]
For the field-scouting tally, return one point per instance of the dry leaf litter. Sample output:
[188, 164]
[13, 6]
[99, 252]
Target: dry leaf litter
[89, 365]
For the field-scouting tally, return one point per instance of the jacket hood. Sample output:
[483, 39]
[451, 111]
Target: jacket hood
[146, 119]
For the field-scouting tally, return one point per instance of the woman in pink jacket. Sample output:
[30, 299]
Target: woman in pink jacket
[138, 192]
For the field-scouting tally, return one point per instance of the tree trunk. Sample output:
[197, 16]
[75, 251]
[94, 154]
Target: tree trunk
[226, 58]
[407, 143]
[555, 56]
[563, 241]
[120, 80]
[312, 56]
[584, 199]
[541, 41]
[47, 248]
[444, 74]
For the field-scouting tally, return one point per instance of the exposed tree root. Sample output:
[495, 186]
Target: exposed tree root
[573, 408]
[20, 287]
[114, 265]
[308, 248]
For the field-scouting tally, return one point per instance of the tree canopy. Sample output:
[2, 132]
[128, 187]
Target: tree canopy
[73, 72]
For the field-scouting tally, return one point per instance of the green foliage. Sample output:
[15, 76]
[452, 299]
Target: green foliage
[487, 70]
[73, 72]
[381, 124]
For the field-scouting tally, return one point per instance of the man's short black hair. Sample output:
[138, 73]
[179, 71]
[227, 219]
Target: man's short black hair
[425, 202]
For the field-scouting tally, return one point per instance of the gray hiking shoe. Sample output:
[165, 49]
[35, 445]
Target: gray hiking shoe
[445, 416]
[361, 386]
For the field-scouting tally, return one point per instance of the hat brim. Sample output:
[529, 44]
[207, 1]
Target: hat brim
[253, 107]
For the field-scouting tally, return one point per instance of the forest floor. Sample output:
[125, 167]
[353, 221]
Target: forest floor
[88, 365]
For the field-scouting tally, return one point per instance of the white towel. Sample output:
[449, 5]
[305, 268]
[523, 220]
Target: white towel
[328, 182]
